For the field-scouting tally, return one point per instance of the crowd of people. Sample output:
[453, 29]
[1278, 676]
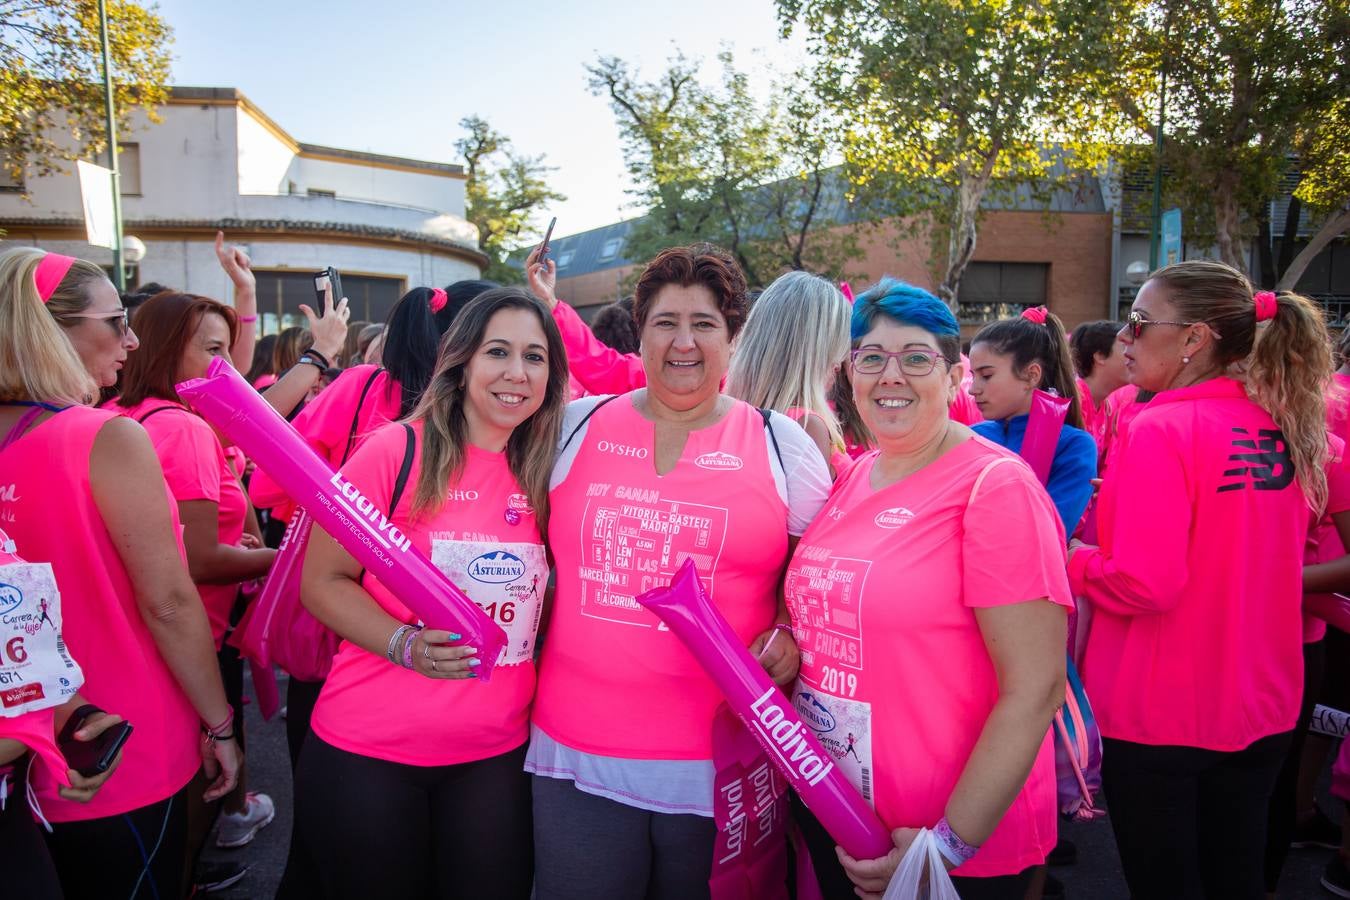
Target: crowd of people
[849, 481]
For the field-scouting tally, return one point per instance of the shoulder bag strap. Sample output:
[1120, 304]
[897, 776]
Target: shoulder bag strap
[586, 418]
[356, 416]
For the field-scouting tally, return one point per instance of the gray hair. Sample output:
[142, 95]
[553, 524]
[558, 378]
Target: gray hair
[795, 338]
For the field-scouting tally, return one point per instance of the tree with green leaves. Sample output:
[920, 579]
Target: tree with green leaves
[949, 103]
[51, 77]
[1249, 84]
[713, 163]
[505, 193]
[1324, 187]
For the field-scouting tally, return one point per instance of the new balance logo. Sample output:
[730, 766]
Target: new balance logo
[1264, 462]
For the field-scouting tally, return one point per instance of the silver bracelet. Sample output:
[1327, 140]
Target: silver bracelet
[396, 643]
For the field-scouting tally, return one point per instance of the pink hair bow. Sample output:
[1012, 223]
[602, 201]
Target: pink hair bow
[1266, 305]
[1035, 314]
[50, 272]
[438, 299]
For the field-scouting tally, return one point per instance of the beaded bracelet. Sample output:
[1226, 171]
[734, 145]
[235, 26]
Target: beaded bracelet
[953, 849]
[394, 642]
[408, 645]
[785, 628]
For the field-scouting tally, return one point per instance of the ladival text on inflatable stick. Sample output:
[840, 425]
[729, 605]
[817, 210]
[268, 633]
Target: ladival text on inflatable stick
[227, 401]
[768, 715]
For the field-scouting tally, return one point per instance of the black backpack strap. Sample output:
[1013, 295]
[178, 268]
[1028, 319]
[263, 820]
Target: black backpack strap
[586, 418]
[778, 451]
[157, 409]
[405, 470]
[356, 416]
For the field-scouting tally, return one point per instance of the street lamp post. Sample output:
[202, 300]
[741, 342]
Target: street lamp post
[119, 276]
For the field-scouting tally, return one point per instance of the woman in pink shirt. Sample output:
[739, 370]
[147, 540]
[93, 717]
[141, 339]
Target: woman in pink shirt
[403, 738]
[180, 335]
[82, 490]
[935, 701]
[1101, 370]
[621, 743]
[1194, 660]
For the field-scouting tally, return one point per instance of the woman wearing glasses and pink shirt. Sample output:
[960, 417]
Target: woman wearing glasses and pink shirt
[1194, 660]
[930, 601]
[82, 490]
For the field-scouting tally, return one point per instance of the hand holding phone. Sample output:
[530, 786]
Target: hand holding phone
[543, 248]
[327, 279]
[96, 756]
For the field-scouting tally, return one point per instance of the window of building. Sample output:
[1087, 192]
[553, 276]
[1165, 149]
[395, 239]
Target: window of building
[129, 169]
[8, 183]
[565, 259]
[611, 249]
[998, 290]
[316, 192]
[280, 293]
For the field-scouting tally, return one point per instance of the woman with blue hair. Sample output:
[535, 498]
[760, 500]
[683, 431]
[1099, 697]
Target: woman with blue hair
[944, 691]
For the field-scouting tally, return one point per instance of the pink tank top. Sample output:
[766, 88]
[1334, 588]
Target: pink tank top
[196, 468]
[614, 681]
[896, 680]
[374, 708]
[48, 509]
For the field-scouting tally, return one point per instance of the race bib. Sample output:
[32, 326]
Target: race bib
[36, 671]
[507, 581]
[844, 729]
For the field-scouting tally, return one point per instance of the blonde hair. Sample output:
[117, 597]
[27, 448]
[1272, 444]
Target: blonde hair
[1288, 358]
[37, 360]
[445, 433]
[795, 337]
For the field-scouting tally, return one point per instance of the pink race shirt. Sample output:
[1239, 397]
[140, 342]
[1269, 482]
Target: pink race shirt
[1197, 586]
[615, 681]
[1324, 539]
[196, 468]
[326, 425]
[47, 507]
[1093, 417]
[1338, 407]
[375, 708]
[895, 679]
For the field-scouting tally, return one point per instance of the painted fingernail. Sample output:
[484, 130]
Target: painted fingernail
[473, 674]
[475, 662]
[456, 637]
[470, 650]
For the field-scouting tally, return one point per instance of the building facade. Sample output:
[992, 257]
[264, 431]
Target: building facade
[217, 162]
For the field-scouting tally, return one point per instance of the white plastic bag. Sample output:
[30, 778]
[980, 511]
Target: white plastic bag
[922, 875]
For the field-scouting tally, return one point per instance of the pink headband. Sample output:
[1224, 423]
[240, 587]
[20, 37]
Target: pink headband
[846, 291]
[438, 299]
[50, 272]
[1266, 305]
[1035, 314]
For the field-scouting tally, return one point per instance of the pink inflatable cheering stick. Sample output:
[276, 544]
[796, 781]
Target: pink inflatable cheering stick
[225, 400]
[769, 716]
[846, 291]
[1043, 428]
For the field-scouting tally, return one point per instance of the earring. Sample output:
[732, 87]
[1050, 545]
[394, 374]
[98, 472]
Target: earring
[1185, 360]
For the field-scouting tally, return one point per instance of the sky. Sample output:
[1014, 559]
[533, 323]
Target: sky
[342, 74]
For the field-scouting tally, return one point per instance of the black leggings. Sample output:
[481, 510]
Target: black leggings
[1191, 822]
[29, 872]
[376, 828]
[834, 883]
[592, 847]
[1284, 798]
[136, 855]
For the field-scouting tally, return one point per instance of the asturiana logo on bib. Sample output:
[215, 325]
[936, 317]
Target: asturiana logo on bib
[787, 740]
[814, 713]
[719, 461]
[11, 598]
[356, 502]
[496, 567]
[895, 517]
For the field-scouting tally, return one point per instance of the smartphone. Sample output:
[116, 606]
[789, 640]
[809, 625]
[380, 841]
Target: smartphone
[327, 277]
[543, 253]
[91, 758]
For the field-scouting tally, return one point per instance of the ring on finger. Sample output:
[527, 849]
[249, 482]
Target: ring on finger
[426, 651]
[433, 665]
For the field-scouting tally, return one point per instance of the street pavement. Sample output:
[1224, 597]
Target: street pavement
[1096, 876]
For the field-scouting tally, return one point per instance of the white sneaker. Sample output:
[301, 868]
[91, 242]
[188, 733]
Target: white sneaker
[237, 829]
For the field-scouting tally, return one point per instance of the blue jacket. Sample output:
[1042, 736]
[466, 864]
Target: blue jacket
[1071, 474]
